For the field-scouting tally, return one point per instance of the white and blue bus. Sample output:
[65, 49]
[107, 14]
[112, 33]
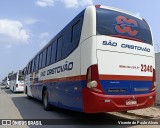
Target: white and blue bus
[102, 61]
[16, 82]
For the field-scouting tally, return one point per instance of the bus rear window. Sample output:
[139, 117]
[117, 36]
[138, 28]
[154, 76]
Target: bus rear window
[118, 24]
[20, 76]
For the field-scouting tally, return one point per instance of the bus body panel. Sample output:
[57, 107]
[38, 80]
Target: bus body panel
[129, 69]
[89, 23]
[94, 102]
[88, 40]
[126, 74]
[64, 85]
[90, 58]
[108, 43]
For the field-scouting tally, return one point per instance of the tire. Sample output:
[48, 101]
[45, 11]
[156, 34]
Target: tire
[28, 97]
[13, 89]
[46, 104]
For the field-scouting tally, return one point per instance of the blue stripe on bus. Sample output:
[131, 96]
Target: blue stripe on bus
[126, 87]
[66, 95]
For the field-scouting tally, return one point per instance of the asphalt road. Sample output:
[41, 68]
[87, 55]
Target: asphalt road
[17, 106]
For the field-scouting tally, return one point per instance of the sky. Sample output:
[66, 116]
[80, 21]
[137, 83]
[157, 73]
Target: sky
[27, 25]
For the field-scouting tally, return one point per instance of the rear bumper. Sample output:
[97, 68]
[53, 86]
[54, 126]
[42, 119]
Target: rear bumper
[94, 102]
[20, 89]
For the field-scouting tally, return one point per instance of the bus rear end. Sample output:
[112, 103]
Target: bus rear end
[124, 76]
[20, 82]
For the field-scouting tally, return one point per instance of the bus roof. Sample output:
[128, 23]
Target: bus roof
[119, 10]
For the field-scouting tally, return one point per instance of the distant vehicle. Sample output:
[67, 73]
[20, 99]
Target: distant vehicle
[3, 82]
[17, 82]
[6, 82]
[102, 61]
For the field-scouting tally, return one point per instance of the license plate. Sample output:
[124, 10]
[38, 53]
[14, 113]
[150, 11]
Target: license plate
[131, 102]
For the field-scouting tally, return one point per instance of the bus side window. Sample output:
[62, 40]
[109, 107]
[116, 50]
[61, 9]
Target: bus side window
[33, 65]
[67, 42]
[49, 50]
[40, 61]
[53, 53]
[15, 76]
[59, 48]
[37, 62]
[76, 32]
[34, 68]
[29, 67]
[44, 58]
[72, 38]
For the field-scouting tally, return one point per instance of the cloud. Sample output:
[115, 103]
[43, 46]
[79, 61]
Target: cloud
[76, 3]
[44, 35]
[70, 3]
[12, 32]
[138, 14]
[44, 38]
[44, 3]
[8, 46]
[67, 3]
[30, 21]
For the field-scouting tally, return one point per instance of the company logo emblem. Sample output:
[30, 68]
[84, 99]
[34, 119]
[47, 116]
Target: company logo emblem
[125, 25]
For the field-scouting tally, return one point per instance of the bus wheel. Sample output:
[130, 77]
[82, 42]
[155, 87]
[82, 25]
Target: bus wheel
[28, 97]
[46, 104]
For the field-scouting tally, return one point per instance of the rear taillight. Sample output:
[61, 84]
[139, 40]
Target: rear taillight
[16, 85]
[153, 81]
[93, 79]
[97, 6]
